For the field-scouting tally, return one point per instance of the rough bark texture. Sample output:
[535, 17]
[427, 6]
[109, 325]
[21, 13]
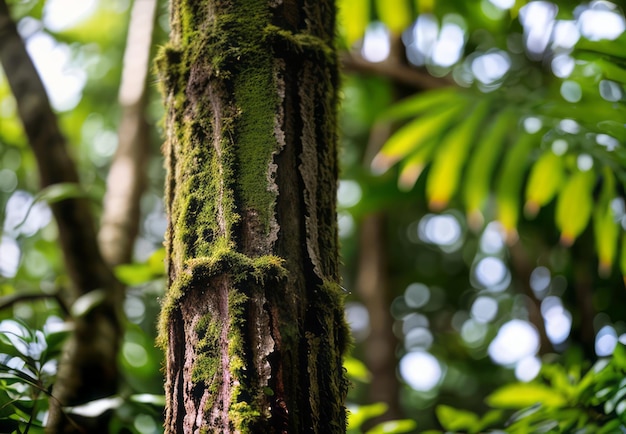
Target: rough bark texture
[253, 322]
[88, 367]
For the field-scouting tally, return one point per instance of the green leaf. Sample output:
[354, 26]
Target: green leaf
[431, 100]
[453, 419]
[445, 172]
[611, 427]
[559, 379]
[95, 408]
[56, 339]
[414, 164]
[358, 415]
[356, 369]
[156, 261]
[134, 274]
[488, 419]
[614, 48]
[87, 302]
[482, 161]
[353, 17]
[413, 135]
[521, 395]
[605, 226]
[510, 180]
[574, 205]
[396, 14]
[148, 398]
[394, 427]
[544, 180]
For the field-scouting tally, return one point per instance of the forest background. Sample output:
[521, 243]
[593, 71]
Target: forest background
[481, 211]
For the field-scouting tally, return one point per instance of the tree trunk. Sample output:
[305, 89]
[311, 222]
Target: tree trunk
[381, 345]
[253, 323]
[126, 180]
[88, 367]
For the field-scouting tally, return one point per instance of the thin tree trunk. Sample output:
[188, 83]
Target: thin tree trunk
[253, 323]
[381, 345]
[127, 179]
[88, 367]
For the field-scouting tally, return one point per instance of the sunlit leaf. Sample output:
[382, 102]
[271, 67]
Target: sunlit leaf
[559, 379]
[488, 419]
[148, 398]
[356, 369]
[135, 274]
[394, 427]
[396, 14]
[357, 416]
[412, 167]
[622, 258]
[544, 181]
[413, 135]
[605, 226]
[353, 17]
[521, 395]
[95, 408]
[444, 175]
[156, 261]
[422, 102]
[453, 419]
[510, 181]
[482, 161]
[87, 302]
[574, 205]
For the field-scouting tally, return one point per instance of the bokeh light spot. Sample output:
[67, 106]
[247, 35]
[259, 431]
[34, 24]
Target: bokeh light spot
[349, 193]
[376, 43]
[421, 370]
[515, 340]
[417, 295]
[491, 273]
[484, 309]
[606, 340]
[527, 368]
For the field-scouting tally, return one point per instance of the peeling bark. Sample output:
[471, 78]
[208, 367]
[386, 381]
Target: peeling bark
[253, 321]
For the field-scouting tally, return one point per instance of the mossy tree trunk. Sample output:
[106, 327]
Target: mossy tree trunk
[252, 323]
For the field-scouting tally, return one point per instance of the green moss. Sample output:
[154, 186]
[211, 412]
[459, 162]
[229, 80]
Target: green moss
[255, 93]
[299, 43]
[224, 260]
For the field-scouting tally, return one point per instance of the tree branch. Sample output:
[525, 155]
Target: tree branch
[397, 71]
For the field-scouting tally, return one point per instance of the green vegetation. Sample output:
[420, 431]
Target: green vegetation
[494, 170]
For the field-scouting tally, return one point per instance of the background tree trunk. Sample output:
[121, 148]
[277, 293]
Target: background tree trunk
[253, 323]
[126, 180]
[88, 367]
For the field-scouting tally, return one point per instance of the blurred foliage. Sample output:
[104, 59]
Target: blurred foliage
[534, 148]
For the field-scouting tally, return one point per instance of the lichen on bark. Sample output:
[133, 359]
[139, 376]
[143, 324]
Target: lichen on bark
[253, 317]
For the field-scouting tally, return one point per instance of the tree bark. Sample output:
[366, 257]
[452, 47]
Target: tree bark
[88, 366]
[252, 323]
